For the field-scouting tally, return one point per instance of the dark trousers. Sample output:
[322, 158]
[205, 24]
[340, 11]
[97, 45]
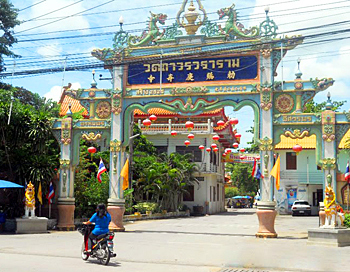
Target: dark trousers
[91, 238]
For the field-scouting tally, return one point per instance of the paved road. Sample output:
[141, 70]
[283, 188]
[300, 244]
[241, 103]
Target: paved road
[208, 243]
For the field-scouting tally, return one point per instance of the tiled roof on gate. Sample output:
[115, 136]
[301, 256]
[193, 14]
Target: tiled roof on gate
[288, 143]
[75, 106]
[159, 111]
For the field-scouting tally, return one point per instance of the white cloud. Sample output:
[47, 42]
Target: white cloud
[56, 91]
[49, 50]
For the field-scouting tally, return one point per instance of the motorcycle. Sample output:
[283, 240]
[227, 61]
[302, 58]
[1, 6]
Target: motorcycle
[102, 249]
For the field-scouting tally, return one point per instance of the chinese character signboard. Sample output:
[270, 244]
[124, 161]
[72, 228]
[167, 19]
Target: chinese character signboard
[194, 70]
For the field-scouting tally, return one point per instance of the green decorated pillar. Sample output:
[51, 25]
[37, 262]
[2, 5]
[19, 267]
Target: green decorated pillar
[329, 161]
[66, 201]
[116, 202]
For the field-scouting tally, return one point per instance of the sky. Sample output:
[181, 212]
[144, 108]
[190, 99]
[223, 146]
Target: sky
[53, 19]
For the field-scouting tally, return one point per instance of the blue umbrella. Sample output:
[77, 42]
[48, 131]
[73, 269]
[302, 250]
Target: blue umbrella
[247, 197]
[7, 184]
[236, 197]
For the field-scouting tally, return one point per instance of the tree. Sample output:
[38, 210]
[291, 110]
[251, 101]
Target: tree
[254, 147]
[241, 177]
[8, 19]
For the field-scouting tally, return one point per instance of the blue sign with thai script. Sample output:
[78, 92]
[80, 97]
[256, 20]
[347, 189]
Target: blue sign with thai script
[194, 70]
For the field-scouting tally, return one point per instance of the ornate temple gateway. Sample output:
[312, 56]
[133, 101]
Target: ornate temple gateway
[208, 66]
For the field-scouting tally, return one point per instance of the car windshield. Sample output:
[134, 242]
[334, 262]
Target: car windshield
[301, 203]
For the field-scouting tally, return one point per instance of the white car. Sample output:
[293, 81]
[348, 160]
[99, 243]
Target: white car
[301, 207]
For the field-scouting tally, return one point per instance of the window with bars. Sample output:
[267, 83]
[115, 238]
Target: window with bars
[194, 150]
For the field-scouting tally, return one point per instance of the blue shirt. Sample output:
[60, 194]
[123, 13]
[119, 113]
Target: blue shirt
[101, 224]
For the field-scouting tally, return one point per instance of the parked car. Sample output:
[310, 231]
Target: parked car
[301, 207]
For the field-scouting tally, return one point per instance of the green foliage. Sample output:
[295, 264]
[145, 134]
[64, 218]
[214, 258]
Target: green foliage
[129, 200]
[313, 107]
[146, 206]
[8, 19]
[254, 147]
[88, 191]
[141, 143]
[347, 220]
[231, 192]
[28, 149]
[241, 176]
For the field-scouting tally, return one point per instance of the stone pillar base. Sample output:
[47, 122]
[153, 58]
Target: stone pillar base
[66, 209]
[322, 214]
[266, 214]
[31, 225]
[117, 213]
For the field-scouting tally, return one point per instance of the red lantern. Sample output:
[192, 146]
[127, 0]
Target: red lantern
[274, 155]
[216, 137]
[297, 148]
[221, 123]
[201, 147]
[216, 149]
[190, 136]
[189, 125]
[258, 158]
[173, 133]
[224, 154]
[235, 145]
[214, 146]
[187, 142]
[146, 122]
[228, 150]
[208, 149]
[153, 118]
[242, 157]
[242, 150]
[238, 136]
[233, 121]
[92, 150]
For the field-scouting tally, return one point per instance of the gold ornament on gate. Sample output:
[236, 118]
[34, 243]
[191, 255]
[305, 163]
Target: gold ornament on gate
[192, 17]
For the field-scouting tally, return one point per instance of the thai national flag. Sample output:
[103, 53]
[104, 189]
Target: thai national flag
[101, 169]
[256, 171]
[51, 194]
[347, 173]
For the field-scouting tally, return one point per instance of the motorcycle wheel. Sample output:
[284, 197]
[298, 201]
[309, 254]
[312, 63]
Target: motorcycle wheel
[84, 256]
[107, 255]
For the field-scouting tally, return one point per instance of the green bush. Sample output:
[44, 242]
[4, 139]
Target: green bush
[146, 206]
[347, 220]
[231, 192]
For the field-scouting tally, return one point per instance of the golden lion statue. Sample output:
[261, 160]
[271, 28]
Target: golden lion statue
[30, 201]
[333, 217]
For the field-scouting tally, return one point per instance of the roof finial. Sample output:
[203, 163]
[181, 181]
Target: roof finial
[93, 83]
[298, 74]
[329, 104]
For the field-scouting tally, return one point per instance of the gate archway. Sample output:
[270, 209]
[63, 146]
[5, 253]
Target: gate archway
[189, 73]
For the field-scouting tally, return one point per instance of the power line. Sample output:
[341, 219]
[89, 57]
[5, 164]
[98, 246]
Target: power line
[53, 11]
[207, 53]
[249, 17]
[105, 3]
[32, 5]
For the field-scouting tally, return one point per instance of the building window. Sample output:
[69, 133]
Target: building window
[161, 149]
[214, 193]
[210, 193]
[195, 151]
[218, 192]
[291, 161]
[189, 195]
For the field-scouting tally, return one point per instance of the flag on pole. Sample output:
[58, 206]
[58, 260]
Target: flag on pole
[256, 171]
[51, 194]
[275, 172]
[254, 168]
[39, 194]
[125, 174]
[347, 173]
[101, 169]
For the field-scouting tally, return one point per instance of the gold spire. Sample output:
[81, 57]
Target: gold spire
[191, 16]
